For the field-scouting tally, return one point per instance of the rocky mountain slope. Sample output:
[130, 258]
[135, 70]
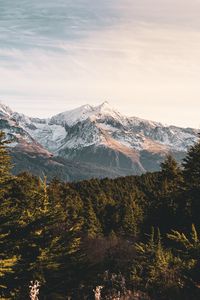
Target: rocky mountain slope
[29, 155]
[99, 139]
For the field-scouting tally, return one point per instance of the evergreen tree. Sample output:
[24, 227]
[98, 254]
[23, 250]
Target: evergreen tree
[132, 216]
[187, 248]
[8, 256]
[156, 270]
[92, 226]
[171, 176]
[191, 165]
[170, 168]
[191, 172]
[166, 198]
[5, 165]
[8, 225]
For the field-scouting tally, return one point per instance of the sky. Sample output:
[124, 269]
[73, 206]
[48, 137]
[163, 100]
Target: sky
[142, 56]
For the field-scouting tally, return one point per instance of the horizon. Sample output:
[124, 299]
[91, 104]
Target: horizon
[93, 106]
[144, 57]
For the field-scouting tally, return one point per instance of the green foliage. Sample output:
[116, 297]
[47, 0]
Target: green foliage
[188, 244]
[188, 249]
[170, 168]
[8, 214]
[5, 166]
[155, 269]
[191, 165]
[67, 234]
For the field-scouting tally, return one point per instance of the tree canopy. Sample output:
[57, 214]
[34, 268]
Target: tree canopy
[131, 235]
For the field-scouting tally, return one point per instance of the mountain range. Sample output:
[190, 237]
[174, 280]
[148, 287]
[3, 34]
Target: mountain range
[91, 141]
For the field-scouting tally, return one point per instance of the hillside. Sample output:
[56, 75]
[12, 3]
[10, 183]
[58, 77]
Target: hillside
[101, 140]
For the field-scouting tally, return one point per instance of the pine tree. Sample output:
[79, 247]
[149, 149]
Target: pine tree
[132, 216]
[164, 206]
[155, 269]
[8, 225]
[5, 165]
[8, 257]
[187, 247]
[171, 174]
[191, 172]
[47, 244]
[191, 165]
[92, 226]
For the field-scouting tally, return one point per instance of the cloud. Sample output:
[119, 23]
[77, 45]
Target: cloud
[141, 55]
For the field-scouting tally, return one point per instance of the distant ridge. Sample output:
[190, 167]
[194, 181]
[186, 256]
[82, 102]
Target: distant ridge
[100, 138]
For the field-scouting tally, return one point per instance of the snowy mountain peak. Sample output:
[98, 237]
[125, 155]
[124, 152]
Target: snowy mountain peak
[105, 103]
[107, 109]
[5, 110]
[105, 106]
[98, 135]
[84, 112]
[73, 116]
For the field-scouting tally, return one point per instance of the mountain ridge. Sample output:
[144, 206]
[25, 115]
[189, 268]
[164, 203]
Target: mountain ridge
[99, 136]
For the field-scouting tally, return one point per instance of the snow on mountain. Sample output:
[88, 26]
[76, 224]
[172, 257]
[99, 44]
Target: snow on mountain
[16, 127]
[73, 116]
[57, 132]
[5, 110]
[84, 112]
[29, 155]
[131, 132]
[102, 136]
[50, 136]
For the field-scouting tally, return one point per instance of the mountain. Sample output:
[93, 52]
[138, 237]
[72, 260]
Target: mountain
[101, 140]
[29, 155]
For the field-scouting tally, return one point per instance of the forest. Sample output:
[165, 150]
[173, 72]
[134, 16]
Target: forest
[135, 237]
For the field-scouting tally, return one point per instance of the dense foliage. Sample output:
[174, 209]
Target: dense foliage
[135, 235]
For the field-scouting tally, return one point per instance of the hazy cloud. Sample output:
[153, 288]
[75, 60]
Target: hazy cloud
[143, 56]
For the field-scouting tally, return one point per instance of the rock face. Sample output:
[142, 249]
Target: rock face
[99, 139]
